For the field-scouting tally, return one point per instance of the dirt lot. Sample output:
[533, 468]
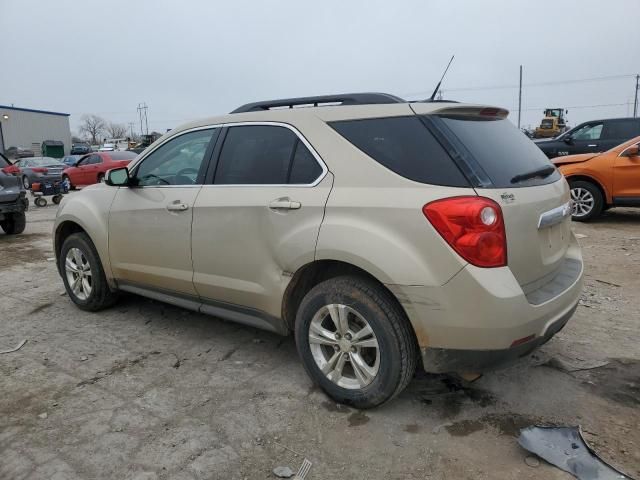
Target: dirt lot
[145, 390]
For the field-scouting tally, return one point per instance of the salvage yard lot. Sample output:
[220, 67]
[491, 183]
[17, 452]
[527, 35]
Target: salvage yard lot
[146, 390]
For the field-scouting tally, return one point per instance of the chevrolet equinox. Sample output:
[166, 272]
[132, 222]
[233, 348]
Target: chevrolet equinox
[381, 232]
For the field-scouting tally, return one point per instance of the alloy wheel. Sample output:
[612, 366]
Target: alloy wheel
[78, 271]
[344, 346]
[582, 202]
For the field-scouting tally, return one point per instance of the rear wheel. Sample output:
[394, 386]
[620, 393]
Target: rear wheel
[40, 202]
[83, 275]
[100, 177]
[587, 200]
[67, 180]
[355, 341]
[14, 223]
[56, 199]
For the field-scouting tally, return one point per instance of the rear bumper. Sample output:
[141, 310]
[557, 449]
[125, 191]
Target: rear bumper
[471, 322]
[440, 360]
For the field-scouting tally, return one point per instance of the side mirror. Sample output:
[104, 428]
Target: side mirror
[118, 177]
[568, 140]
[632, 151]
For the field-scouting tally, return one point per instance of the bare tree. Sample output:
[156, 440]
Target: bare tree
[116, 130]
[92, 126]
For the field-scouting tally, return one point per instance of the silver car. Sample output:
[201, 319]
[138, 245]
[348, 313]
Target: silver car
[39, 170]
[383, 234]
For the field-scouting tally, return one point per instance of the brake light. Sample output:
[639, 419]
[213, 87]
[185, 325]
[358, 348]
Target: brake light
[472, 226]
[11, 169]
[39, 170]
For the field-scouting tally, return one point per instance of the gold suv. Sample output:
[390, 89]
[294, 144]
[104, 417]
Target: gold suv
[382, 233]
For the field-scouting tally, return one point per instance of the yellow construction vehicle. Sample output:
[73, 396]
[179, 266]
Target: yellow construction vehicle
[553, 123]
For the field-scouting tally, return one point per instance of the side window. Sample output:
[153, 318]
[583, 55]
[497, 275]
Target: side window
[304, 168]
[256, 155]
[589, 132]
[180, 161]
[84, 161]
[622, 129]
[95, 159]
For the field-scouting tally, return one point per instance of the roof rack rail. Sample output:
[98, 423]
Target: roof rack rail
[341, 99]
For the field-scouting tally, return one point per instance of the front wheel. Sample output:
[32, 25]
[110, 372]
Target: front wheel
[587, 201]
[26, 183]
[67, 180]
[355, 341]
[101, 178]
[14, 223]
[83, 275]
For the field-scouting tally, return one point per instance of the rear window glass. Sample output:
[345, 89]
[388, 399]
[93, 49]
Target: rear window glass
[405, 146]
[500, 149]
[123, 155]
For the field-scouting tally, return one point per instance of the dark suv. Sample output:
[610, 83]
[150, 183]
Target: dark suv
[13, 200]
[80, 149]
[593, 136]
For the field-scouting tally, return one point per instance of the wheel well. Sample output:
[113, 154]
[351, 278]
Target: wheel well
[316, 272]
[584, 178]
[62, 232]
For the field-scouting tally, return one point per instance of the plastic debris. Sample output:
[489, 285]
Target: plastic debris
[20, 345]
[566, 448]
[283, 472]
[304, 470]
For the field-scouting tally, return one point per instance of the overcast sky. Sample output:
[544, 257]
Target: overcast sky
[194, 58]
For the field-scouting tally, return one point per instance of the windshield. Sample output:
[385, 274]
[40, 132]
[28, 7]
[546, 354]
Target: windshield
[498, 149]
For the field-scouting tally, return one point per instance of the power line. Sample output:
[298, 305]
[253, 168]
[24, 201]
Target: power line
[536, 84]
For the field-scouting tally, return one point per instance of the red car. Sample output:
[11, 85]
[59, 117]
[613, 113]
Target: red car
[91, 168]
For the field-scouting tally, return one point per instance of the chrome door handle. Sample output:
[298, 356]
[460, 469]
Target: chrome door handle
[592, 145]
[177, 207]
[284, 204]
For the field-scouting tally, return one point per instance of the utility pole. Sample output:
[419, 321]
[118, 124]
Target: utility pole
[142, 113]
[520, 99]
[131, 124]
[635, 100]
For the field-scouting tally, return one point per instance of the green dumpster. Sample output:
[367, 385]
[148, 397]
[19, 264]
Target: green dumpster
[52, 148]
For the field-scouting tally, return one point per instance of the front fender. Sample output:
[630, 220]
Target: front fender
[89, 209]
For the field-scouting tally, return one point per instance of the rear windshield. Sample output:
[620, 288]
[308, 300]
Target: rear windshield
[499, 149]
[123, 155]
[405, 146]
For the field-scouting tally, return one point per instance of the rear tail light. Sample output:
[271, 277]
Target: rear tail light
[39, 170]
[472, 226]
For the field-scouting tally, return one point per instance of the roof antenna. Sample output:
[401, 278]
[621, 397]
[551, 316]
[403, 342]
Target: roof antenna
[433, 95]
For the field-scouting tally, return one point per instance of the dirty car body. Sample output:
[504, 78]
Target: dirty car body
[378, 231]
[13, 200]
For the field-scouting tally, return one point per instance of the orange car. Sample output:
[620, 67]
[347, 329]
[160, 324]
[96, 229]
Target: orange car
[602, 180]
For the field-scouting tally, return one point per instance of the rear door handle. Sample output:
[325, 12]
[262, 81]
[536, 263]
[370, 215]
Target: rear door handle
[284, 204]
[592, 145]
[177, 207]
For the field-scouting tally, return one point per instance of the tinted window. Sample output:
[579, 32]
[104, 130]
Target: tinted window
[177, 162]
[500, 149]
[405, 146]
[305, 168]
[94, 159]
[622, 129]
[122, 155]
[256, 155]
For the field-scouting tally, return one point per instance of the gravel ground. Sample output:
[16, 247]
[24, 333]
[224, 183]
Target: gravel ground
[146, 390]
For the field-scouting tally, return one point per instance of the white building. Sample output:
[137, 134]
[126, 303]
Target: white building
[27, 128]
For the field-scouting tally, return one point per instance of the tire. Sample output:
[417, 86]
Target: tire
[83, 253]
[100, 177]
[56, 199]
[362, 300]
[587, 201]
[26, 183]
[15, 224]
[40, 202]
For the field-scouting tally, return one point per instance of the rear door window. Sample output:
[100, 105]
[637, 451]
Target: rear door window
[622, 129]
[405, 146]
[304, 168]
[498, 148]
[256, 155]
[588, 132]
